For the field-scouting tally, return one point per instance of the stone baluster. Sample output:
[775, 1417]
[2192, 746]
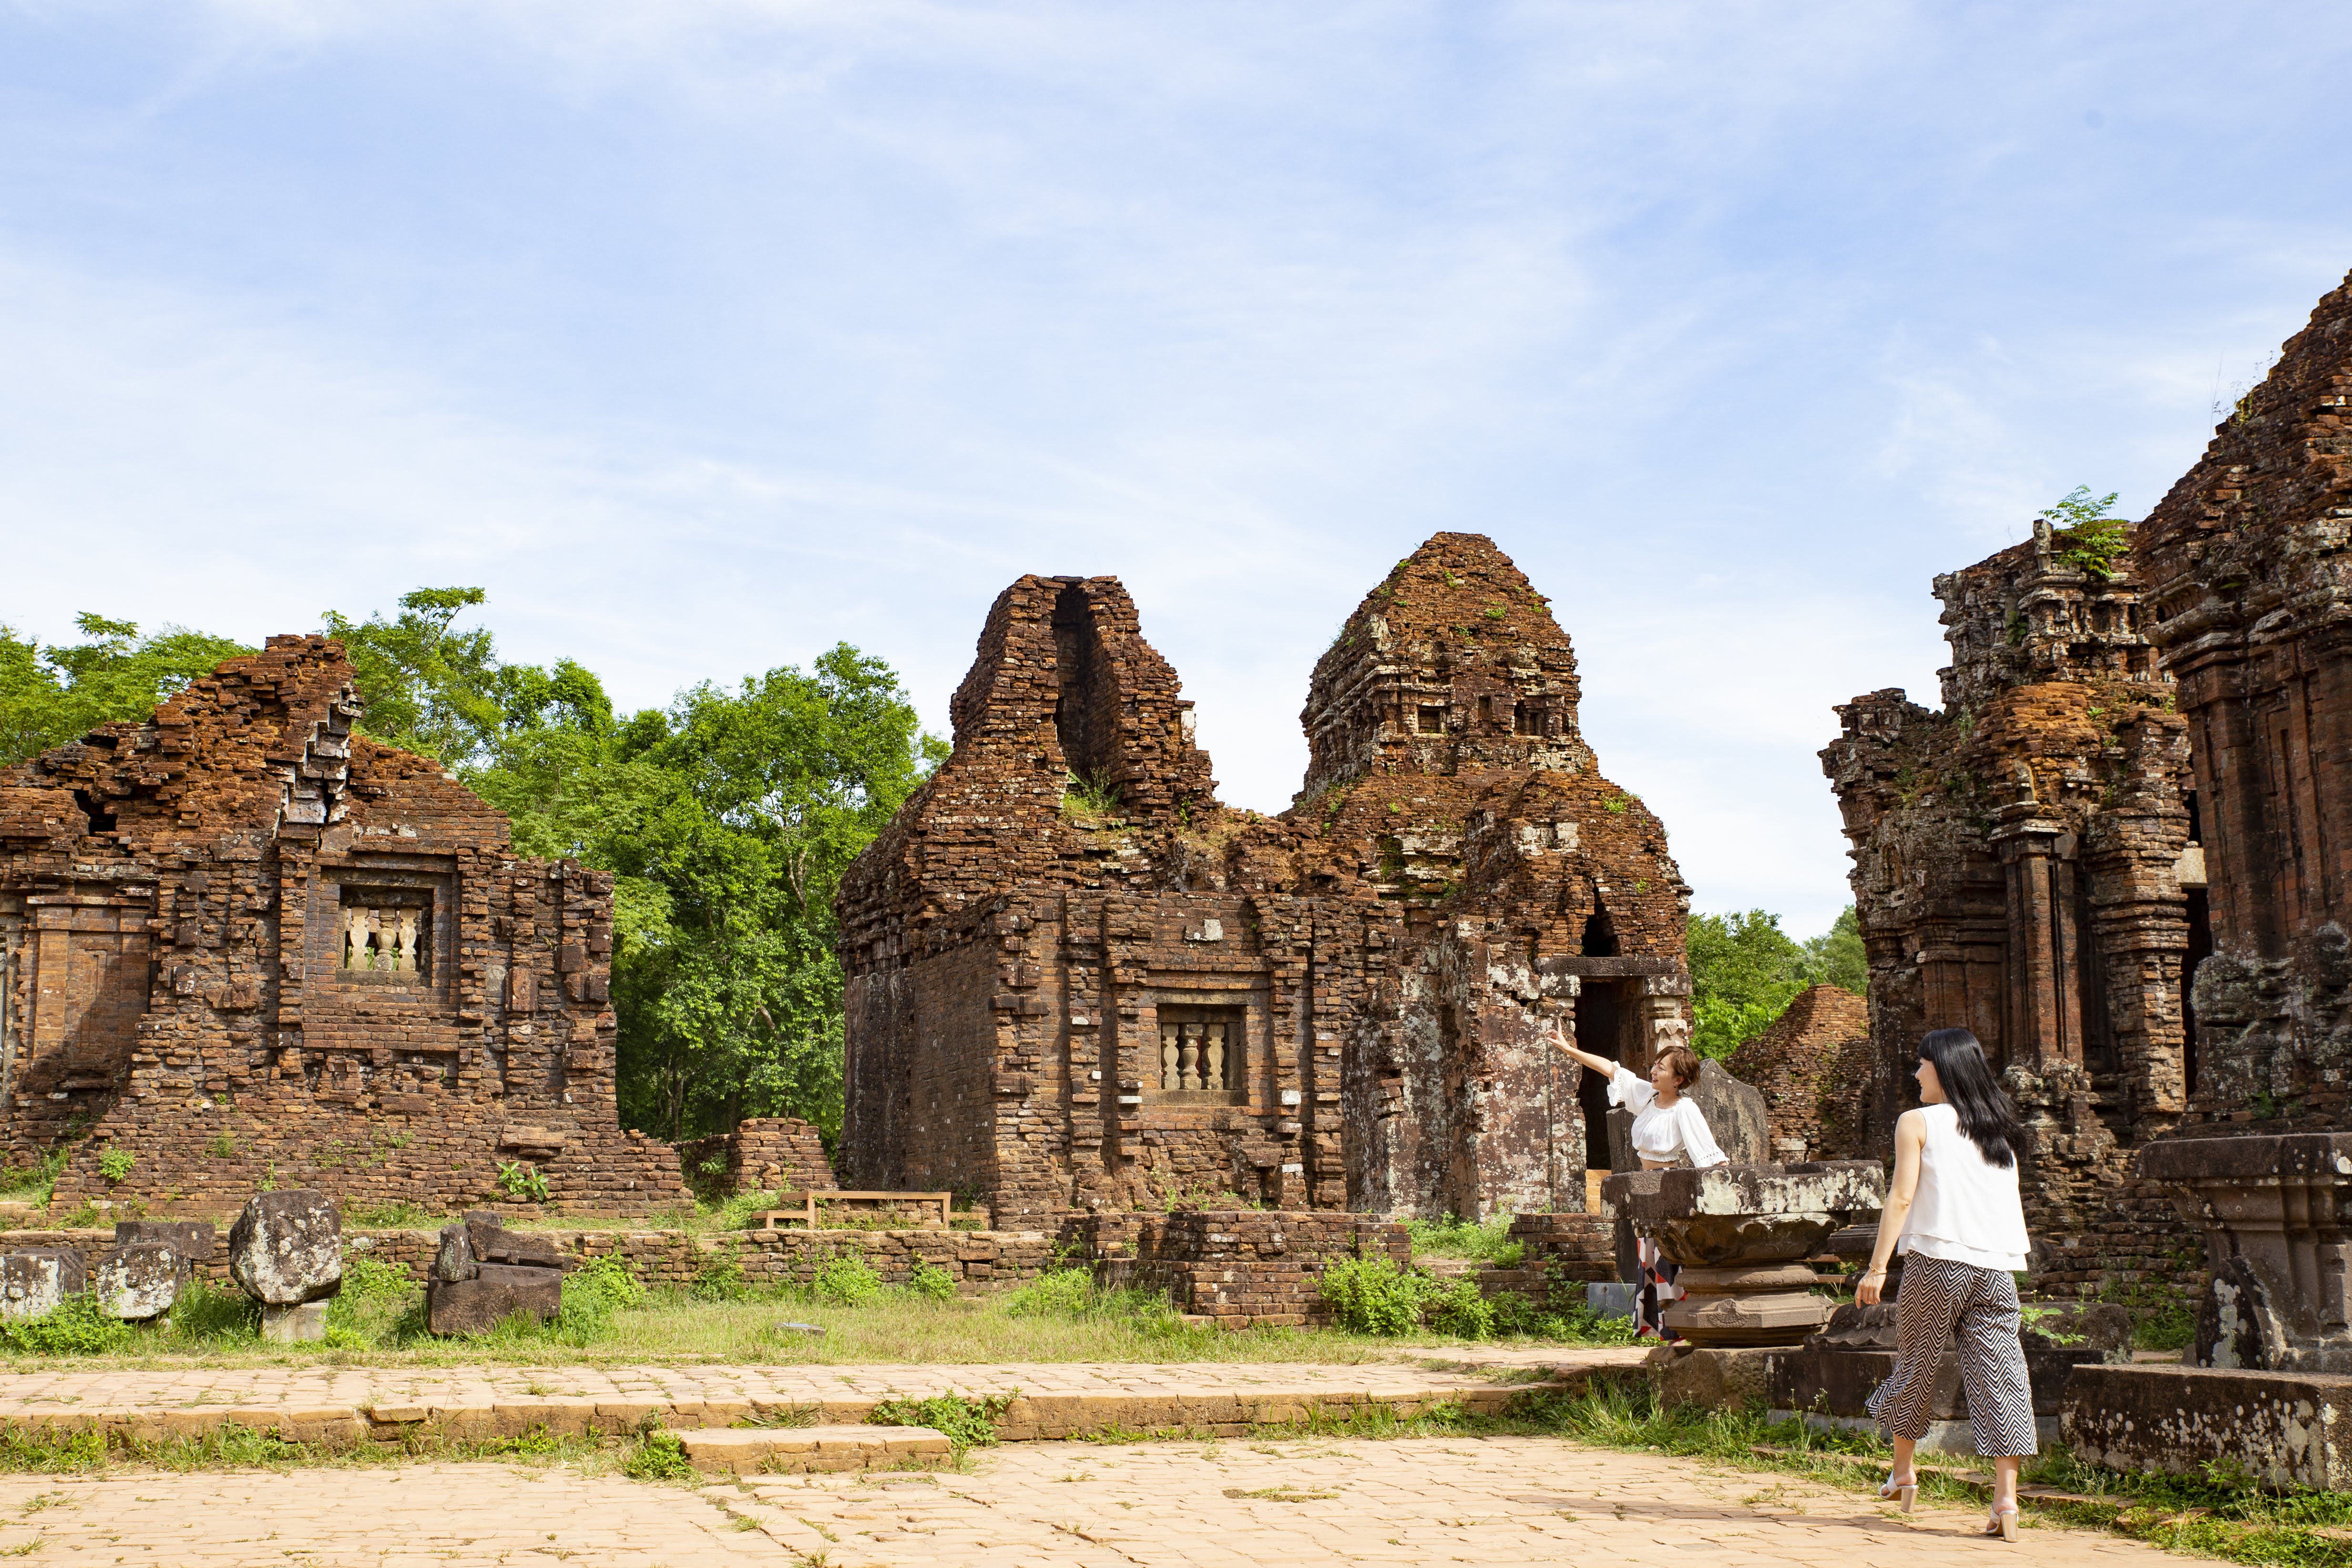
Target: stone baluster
[1191, 1063]
[406, 960]
[1168, 1079]
[1213, 1075]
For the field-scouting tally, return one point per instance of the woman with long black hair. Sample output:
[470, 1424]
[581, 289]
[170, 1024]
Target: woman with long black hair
[1954, 1214]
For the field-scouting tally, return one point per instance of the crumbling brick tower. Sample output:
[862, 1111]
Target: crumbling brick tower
[1052, 1005]
[2252, 594]
[240, 943]
[2019, 871]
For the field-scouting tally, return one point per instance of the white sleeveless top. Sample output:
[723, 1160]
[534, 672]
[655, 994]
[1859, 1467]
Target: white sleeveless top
[1965, 1210]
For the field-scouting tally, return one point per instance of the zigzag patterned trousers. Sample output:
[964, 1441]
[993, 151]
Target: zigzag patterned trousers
[1940, 1301]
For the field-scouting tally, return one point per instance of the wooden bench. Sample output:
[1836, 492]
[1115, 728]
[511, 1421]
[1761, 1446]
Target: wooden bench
[802, 1207]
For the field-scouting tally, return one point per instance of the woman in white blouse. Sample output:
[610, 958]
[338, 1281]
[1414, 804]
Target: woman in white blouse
[1669, 1130]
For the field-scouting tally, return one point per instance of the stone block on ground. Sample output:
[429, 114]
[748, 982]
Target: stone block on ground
[287, 1248]
[294, 1323]
[191, 1240]
[1735, 1114]
[136, 1280]
[493, 1242]
[745, 1450]
[2286, 1429]
[1710, 1378]
[36, 1280]
[496, 1292]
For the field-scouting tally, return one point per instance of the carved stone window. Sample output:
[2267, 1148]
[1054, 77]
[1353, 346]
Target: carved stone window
[1429, 719]
[1204, 1056]
[1527, 718]
[386, 935]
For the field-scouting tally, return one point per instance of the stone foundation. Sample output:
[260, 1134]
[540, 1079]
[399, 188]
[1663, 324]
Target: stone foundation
[2285, 1428]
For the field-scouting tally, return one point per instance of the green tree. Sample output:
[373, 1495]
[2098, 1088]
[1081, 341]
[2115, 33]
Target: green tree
[781, 782]
[51, 695]
[1744, 971]
[428, 689]
[1837, 955]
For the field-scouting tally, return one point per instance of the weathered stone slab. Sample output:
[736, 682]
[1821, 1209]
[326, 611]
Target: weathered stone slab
[36, 1280]
[191, 1239]
[496, 1292]
[286, 1248]
[137, 1281]
[1735, 1114]
[2286, 1429]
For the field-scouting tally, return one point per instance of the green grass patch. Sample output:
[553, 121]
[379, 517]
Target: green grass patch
[1489, 1243]
[1373, 1296]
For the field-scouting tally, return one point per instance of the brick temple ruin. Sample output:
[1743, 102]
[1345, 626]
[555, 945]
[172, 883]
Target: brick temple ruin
[2025, 866]
[242, 946]
[1342, 1007]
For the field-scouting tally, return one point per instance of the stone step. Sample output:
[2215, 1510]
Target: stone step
[791, 1450]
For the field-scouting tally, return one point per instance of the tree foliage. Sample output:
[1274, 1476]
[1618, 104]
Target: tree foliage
[51, 695]
[1744, 971]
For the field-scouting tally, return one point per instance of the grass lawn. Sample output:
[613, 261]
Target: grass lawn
[378, 1321]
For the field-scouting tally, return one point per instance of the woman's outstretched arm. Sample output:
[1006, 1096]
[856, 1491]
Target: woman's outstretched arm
[1601, 1065]
[1910, 1138]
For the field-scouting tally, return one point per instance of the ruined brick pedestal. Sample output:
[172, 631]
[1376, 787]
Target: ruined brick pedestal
[2273, 1210]
[1741, 1234]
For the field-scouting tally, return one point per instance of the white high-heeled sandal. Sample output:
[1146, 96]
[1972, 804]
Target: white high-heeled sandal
[1900, 1493]
[2002, 1522]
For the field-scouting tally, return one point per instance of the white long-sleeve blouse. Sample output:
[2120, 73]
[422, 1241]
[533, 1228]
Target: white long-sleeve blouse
[1664, 1133]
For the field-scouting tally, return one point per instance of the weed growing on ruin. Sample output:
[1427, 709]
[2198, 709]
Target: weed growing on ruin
[929, 1281]
[1373, 1296]
[222, 1147]
[720, 1277]
[397, 1215]
[76, 1328]
[966, 1422]
[2164, 1317]
[522, 1182]
[593, 1294]
[657, 1456]
[846, 1280]
[114, 1165]
[1089, 800]
[34, 1183]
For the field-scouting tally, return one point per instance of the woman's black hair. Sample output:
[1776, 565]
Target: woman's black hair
[1987, 1118]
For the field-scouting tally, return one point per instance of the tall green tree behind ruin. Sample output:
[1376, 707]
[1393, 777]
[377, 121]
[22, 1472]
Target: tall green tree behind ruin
[1744, 971]
[51, 695]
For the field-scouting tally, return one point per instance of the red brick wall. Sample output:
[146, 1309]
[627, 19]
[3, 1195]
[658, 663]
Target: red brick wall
[222, 834]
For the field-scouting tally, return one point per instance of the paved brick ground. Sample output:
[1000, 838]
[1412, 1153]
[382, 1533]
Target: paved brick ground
[1181, 1505]
[1059, 1399]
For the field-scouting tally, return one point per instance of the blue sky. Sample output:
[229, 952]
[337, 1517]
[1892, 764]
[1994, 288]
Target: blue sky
[704, 335]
